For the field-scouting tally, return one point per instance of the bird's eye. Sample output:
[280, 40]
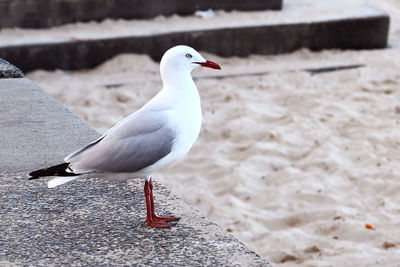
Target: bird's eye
[188, 55]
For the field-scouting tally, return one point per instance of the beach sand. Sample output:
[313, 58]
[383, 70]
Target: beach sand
[293, 164]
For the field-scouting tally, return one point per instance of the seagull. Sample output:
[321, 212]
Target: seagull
[154, 137]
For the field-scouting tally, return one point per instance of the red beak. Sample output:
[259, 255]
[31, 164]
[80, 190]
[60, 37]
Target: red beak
[209, 64]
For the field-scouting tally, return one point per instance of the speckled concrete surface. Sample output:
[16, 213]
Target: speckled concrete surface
[99, 223]
[89, 222]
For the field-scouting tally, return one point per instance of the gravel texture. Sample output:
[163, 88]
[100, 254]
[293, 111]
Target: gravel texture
[96, 223]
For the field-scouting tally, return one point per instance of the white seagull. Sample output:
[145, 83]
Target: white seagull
[150, 139]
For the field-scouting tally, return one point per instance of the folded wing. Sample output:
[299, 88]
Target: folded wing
[136, 143]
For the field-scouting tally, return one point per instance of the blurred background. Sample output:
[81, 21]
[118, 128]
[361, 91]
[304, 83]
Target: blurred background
[299, 146]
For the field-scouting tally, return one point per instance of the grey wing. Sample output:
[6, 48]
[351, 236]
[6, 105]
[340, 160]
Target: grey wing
[142, 139]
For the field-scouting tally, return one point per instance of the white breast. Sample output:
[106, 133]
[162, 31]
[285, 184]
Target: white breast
[188, 120]
[185, 117]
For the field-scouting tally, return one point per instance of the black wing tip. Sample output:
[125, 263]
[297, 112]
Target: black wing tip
[35, 174]
[56, 170]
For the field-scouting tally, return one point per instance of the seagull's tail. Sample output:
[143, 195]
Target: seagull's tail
[62, 170]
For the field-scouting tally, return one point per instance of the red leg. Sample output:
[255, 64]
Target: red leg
[155, 217]
[152, 219]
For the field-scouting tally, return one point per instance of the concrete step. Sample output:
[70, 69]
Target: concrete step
[228, 34]
[89, 222]
[49, 13]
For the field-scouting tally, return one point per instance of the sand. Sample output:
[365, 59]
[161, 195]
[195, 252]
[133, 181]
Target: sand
[293, 164]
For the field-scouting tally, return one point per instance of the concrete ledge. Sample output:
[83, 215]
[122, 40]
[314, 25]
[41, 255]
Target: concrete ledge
[97, 223]
[367, 32]
[35, 130]
[48, 13]
[88, 222]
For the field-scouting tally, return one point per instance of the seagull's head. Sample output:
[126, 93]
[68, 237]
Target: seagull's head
[184, 58]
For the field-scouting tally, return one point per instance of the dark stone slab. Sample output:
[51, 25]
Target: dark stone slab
[8, 70]
[48, 13]
[369, 32]
[88, 222]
